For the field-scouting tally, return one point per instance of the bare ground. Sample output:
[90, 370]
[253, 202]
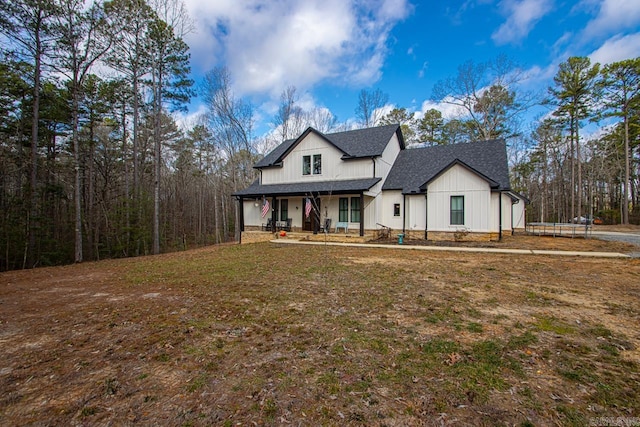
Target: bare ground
[270, 334]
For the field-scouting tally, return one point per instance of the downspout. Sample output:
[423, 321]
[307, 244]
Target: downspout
[426, 215]
[373, 159]
[404, 212]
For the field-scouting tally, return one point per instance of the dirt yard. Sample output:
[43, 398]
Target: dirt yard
[270, 334]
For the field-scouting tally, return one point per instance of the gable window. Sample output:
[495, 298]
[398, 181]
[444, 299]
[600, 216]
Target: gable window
[306, 165]
[284, 209]
[457, 210]
[396, 209]
[317, 164]
[343, 209]
[355, 209]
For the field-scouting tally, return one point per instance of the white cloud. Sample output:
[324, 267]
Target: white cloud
[617, 48]
[269, 45]
[449, 111]
[522, 15]
[613, 17]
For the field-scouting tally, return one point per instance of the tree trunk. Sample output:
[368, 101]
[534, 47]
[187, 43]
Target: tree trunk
[76, 160]
[33, 181]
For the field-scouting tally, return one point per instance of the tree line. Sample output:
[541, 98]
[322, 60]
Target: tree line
[94, 165]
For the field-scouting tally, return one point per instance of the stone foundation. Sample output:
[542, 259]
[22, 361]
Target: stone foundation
[462, 236]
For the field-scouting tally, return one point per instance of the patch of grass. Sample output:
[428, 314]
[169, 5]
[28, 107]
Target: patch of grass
[570, 416]
[111, 386]
[197, 383]
[520, 341]
[538, 300]
[87, 411]
[162, 357]
[330, 381]
[552, 324]
[474, 327]
[438, 346]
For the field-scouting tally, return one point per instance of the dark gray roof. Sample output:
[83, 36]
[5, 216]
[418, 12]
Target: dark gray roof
[369, 142]
[303, 188]
[415, 168]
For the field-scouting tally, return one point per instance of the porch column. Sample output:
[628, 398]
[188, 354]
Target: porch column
[274, 214]
[361, 214]
[241, 201]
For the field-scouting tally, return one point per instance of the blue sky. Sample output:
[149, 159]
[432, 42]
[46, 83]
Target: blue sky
[331, 49]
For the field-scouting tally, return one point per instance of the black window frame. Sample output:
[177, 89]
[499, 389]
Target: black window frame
[355, 209]
[306, 165]
[284, 209]
[456, 216]
[396, 209]
[343, 209]
[316, 164]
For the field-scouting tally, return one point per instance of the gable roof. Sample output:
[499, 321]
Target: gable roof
[415, 168]
[359, 143]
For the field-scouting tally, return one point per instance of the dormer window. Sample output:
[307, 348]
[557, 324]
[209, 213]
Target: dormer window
[317, 165]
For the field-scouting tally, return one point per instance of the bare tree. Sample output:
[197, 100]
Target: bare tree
[230, 121]
[486, 92]
[369, 108]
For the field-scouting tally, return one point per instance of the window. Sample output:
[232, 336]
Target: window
[396, 209]
[317, 164]
[306, 165]
[457, 210]
[343, 209]
[284, 209]
[355, 209]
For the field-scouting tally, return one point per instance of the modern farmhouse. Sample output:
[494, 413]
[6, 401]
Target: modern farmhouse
[364, 180]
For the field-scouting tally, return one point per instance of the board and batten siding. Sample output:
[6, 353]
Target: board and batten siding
[333, 167]
[389, 198]
[459, 181]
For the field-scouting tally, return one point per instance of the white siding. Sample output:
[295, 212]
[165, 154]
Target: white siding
[506, 213]
[416, 217]
[389, 198]
[333, 167]
[252, 213]
[459, 181]
[518, 215]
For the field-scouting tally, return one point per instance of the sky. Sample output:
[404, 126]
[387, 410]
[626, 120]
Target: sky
[332, 49]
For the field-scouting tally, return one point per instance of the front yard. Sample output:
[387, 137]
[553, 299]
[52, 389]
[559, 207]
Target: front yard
[270, 334]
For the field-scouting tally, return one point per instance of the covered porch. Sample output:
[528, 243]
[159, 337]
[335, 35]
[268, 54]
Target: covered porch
[338, 207]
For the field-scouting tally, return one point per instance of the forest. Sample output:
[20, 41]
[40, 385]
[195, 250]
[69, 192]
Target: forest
[95, 164]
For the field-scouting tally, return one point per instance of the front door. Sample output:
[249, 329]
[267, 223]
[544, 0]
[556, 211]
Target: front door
[311, 222]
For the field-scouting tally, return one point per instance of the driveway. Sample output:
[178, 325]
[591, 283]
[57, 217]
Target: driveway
[632, 237]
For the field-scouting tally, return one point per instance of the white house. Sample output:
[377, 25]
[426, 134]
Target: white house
[366, 179]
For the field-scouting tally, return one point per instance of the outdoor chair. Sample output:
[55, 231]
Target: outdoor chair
[344, 225]
[268, 226]
[284, 225]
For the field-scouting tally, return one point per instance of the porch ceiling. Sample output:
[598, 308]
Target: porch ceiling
[304, 188]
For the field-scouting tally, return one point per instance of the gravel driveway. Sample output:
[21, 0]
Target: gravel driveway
[626, 237]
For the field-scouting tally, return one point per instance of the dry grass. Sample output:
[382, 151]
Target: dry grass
[274, 334]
